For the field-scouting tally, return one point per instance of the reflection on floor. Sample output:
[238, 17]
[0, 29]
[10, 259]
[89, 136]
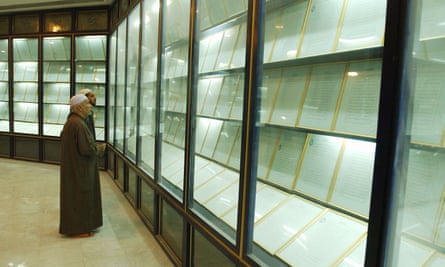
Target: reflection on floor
[29, 218]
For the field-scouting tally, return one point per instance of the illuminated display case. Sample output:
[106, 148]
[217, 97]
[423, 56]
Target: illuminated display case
[119, 120]
[175, 58]
[112, 87]
[219, 106]
[4, 86]
[317, 108]
[45, 57]
[91, 55]
[25, 85]
[149, 71]
[132, 83]
[418, 238]
[56, 83]
[316, 127]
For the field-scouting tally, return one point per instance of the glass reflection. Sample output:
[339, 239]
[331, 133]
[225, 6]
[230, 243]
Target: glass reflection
[120, 134]
[56, 83]
[4, 86]
[132, 83]
[112, 87]
[91, 55]
[419, 236]
[25, 87]
[149, 72]
[218, 114]
[174, 94]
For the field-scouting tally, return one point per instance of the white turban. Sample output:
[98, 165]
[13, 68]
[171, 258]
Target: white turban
[85, 91]
[77, 99]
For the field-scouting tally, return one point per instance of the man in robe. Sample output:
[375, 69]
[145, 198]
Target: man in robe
[80, 193]
[91, 117]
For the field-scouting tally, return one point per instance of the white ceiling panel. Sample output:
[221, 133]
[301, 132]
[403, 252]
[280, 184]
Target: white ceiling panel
[9, 6]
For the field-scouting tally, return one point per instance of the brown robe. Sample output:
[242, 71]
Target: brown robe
[80, 193]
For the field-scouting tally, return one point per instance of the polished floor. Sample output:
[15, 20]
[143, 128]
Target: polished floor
[29, 218]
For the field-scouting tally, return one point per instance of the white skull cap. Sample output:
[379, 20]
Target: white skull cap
[85, 91]
[77, 99]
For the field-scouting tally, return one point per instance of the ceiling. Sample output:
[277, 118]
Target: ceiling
[9, 6]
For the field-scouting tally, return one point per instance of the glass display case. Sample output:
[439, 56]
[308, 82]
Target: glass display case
[4, 86]
[218, 117]
[56, 83]
[45, 58]
[119, 134]
[419, 237]
[314, 138]
[111, 108]
[316, 109]
[91, 62]
[25, 85]
[175, 59]
[132, 83]
[149, 72]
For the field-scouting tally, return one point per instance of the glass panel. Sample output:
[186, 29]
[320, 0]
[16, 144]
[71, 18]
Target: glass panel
[206, 254]
[120, 173]
[56, 83]
[25, 87]
[174, 93]
[419, 236]
[147, 201]
[112, 86]
[26, 148]
[131, 89]
[91, 52]
[120, 85]
[5, 150]
[132, 186]
[147, 101]
[4, 86]
[92, 20]
[172, 228]
[282, 32]
[58, 22]
[315, 113]
[218, 114]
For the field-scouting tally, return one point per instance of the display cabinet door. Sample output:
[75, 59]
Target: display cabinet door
[25, 85]
[56, 83]
[4, 86]
[418, 235]
[317, 129]
[112, 67]
[218, 118]
[132, 83]
[91, 65]
[147, 101]
[120, 86]
[174, 95]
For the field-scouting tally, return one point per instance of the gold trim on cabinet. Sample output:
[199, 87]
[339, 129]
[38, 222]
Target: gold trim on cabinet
[303, 29]
[340, 25]
[439, 218]
[302, 230]
[336, 170]
[276, 93]
[350, 250]
[238, 34]
[300, 161]
[274, 153]
[234, 95]
[303, 96]
[339, 98]
[233, 144]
